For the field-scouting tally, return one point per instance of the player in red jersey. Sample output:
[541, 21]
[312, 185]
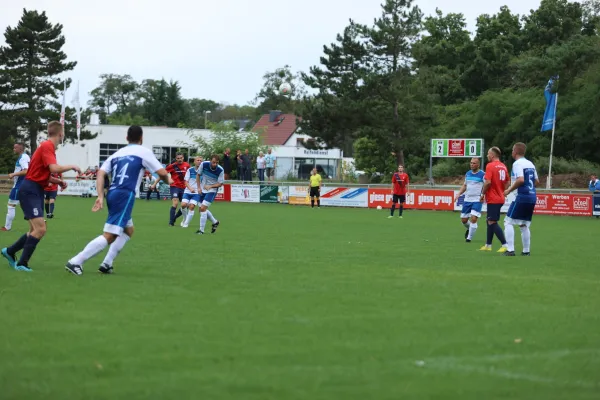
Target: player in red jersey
[496, 181]
[177, 171]
[50, 192]
[400, 182]
[31, 196]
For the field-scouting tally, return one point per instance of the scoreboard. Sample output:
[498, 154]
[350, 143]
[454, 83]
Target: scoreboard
[457, 148]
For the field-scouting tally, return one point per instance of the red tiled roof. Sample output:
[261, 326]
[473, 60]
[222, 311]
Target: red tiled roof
[278, 132]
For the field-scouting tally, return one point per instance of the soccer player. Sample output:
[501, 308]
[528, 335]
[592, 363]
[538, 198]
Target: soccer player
[50, 192]
[190, 195]
[496, 181]
[127, 167]
[177, 171]
[400, 182]
[314, 188]
[209, 179]
[471, 210]
[31, 196]
[18, 176]
[520, 212]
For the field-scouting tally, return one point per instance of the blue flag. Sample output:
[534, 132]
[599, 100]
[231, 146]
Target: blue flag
[550, 113]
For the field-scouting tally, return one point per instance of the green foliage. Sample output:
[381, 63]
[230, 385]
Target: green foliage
[127, 119]
[562, 165]
[269, 98]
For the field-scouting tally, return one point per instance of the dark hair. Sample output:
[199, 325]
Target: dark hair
[215, 157]
[54, 128]
[178, 154]
[496, 151]
[20, 144]
[134, 133]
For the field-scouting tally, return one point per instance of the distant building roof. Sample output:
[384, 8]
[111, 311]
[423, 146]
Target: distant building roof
[278, 127]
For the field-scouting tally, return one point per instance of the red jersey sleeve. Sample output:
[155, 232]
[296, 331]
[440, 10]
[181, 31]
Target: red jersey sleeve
[48, 156]
[488, 172]
[169, 168]
[407, 179]
[394, 179]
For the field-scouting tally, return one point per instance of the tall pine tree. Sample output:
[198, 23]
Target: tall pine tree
[32, 61]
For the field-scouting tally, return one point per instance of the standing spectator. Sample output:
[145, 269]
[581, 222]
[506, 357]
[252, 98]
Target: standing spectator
[247, 166]
[271, 162]
[240, 169]
[260, 166]
[227, 163]
[595, 187]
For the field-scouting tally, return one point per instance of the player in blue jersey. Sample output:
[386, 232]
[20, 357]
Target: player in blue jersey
[524, 180]
[191, 195]
[209, 179]
[127, 167]
[18, 176]
[471, 210]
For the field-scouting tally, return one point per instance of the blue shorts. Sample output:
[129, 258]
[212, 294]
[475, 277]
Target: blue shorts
[519, 213]
[13, 197]
[120, 205]
[192, 198]
[177, 193]
[31, 197]
[50, 195]
[493, 212]
[207, 198]
[471, 208]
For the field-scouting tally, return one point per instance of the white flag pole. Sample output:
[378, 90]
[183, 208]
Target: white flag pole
[77, 110]
[64, 104]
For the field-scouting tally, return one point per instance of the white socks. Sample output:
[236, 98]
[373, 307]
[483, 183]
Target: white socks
[203, 216]
[472, 229]
[184, 212]
[115, 249]
[94, 247]
[10, 215]
[210, 216]
[467, 224]
[509, 233]
[526, 238]
[189, 217]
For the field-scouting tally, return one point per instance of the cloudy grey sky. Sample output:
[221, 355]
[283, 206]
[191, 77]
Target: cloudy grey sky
[216, 49]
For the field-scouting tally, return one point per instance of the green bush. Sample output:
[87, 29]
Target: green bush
[564, 166]
[450, 167]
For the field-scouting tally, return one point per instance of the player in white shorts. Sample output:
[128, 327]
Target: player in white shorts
[471, 210]
[191, 197]
[210, 178]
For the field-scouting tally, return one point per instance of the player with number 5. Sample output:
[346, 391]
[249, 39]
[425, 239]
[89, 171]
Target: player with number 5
[495, 183]
[520, 212]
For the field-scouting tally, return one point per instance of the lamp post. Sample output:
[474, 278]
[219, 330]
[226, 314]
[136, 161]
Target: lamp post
[206, 118]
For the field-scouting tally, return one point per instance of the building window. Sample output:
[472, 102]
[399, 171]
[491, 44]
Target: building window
[107, 150]
[166, 154]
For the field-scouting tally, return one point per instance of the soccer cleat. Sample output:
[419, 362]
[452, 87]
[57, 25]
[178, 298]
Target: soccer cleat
[509, 253]
[105, 269]
[199, 232]
[485, 248]
[502, 250]
[50, 216]
[23, 268]
[214, 227]
[10, 258]
[170, 224]
[183, 225]
[468, 240]
[400, 216]
[525, 254]
[390, 217]
[3, 229]
[74, 269]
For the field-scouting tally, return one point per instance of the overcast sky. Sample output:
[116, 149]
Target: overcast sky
[216, 49]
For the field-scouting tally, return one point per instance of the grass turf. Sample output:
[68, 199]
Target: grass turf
[285, 302]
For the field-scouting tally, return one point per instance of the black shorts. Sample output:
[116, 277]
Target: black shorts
[50, 195]
[31, 198]
[399, 198]
[176, 193]
[315, 191]
[493, 212]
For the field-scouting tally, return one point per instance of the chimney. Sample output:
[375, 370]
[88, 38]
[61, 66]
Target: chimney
[273, 115]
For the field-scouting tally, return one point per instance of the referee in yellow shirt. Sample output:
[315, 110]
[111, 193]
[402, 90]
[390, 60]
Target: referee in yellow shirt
[315, 188]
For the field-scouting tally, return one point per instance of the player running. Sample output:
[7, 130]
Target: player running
[18, 176]
[471, 210]
[50, 193]
[127, 167]
[495, 183]
[209, 179]
[31, 196]
[191, 197]
[177, 171]
[400, 182]
[520, 212]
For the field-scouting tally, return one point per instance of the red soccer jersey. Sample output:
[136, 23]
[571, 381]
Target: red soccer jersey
[53, 187]
[497, 174]
[177, 172]
[400, 182]
[44, 156]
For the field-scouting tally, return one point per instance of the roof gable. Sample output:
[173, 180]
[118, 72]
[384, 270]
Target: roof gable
[278, 132]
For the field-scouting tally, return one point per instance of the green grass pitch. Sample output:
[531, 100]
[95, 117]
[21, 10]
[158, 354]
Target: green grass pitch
[285, 302]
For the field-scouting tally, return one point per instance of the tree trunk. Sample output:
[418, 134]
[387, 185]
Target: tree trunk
[32, 138]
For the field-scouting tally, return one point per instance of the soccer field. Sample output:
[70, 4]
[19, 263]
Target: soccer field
[287, 302]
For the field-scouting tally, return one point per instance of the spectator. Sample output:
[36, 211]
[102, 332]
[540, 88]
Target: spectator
[247, 166]
[240, 169]
[595, 187]
[260, 166]
[227, 163]
[271, 163]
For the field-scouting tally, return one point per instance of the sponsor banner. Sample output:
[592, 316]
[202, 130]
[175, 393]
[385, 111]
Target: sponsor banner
[423, 199]
[298, 195]
[563, 204]
[164, 191]
[78, 188]
[269, 194]
[282, 194]
[344, 197]
[459, 202]
[596, 203]
[245, 193]
[224, 193]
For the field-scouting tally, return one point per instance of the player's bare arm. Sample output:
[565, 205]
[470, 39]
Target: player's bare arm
[59, 169]
[58, 181]
[190, 188]
[486, 186]
[462, 190]
[20, 173]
